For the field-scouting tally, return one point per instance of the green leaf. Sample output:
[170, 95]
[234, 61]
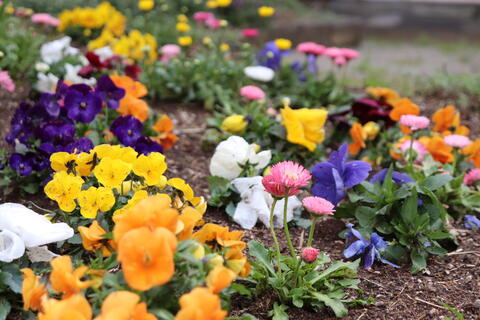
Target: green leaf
[409, 208]
[419, 261]
[365, 216]
[4, 308]
[240, 289]
[218, 184]
[279, 312]
[435, 182]
[262, 255]
[13, 277]
[336, 305]
[248, 316]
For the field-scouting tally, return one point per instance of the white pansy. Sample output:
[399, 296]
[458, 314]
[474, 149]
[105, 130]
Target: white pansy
[104, 53]
[42, 67]
[31, 228]
[72, 76]
[259, 73]
[46, 82]
[256, 204]
[233, 153]
[56, 50]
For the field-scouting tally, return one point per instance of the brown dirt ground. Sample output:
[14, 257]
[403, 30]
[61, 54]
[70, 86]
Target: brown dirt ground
[453, 279]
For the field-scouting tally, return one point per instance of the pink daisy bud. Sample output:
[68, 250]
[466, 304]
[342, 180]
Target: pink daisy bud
[250, 33]
[472, 176]
[252, 93]
[317, 205]
[309, 255]
[414, 122]
[310, 48]
[6, 82]
[169, 51]
[420, 149]
[285, 179]
[46, 19]
[457, 141]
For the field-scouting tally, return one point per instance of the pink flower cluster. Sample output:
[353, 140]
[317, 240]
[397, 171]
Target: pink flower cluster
[169, 51]
[457, 141]
[472, 176]
[286, 178]
[252, 93]
[46, 19]
[414, 122]
[250, 33]
[309, 255]
[318, 206]
[339, 56]
[311, 48]
[6, 82]
[207, 19]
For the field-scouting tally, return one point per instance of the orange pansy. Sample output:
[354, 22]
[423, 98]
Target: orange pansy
[152, 212]
[92, 237]
[32, 290]
[219, 278]
[132, 87]
[189, 217]
[237, 262]
[147, 257]
[438, 149]
[402, 107]
[358, 136]
[66, 280]
[74, 308]
[130, 105]
[473, 152]
[225, 238]
[448, 119]
[200, 304]
[124, 305]
[164, 124]
[389, 95]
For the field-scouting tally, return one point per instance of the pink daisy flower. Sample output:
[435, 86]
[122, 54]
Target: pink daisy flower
[201, 16]
[169, 51]
[472, 176]
[340, 61]
[414, 122]
[310, 48]
[286, 178]
[6, 82]
[317, 205]
[309, 255]
[333, 52]
[457, 141]
[417, 146]
[252, 93]
[46, 19]
[250, 33]
[350, 53]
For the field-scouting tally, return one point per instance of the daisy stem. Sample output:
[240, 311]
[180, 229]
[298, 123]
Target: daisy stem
[272, 230]
[312, 231]
[287, 232]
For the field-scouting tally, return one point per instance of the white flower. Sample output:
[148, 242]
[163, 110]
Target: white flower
[104, 53]
[259, 73]
[233, 153]
[24, 228]
[72, 76]
[56, 50]
[256, 204]
[46, 82]
[42, 67]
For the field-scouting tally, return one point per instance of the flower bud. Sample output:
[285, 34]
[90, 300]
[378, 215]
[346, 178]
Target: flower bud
[234, 124]
[309, 255]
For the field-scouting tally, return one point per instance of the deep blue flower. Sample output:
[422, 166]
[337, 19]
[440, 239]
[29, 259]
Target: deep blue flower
[50, 103]
[397, 177]
[57, 131]
[127, 129]
[368, 250]
[271, 56]
[471, 222]
[145, 145]
[300, 70]
[38, 160]
[21, 163]
[18, 133]
[334, 176]
[109, 91]
[80, 145]
[82, 104]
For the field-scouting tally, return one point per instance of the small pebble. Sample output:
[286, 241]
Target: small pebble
[476, 304]
[432, 311]
[379, 304]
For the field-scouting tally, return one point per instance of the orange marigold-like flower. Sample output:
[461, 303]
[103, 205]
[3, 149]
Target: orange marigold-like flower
[200, 304]
[213, 232]
[124, 305]
[358, 136]
[402, 107]
[219, 278]
[74, 308]
[147, 257]
[473, 152]
[32, 290]
[151, 212]
[66, 280]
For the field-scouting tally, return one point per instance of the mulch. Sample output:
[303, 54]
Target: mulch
[453, 279]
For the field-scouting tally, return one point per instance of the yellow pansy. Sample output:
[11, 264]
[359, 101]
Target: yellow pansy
[266, 11]
[146, 5]
[111, 172]
[234, 124]
[211, 4]
[224, 47]
[137, 196]
[94, 199]
[63, 161]
[185, 41]
[223, 3]
[198, 251]
[304, 126]
[283, 44]
[182, 18]
[182, 27]
[188, 195]
[84, 163]
[150, 167]
[64, 189]
[126, 154]
[371, 129]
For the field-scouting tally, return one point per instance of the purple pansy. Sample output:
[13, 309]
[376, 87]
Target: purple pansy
[368, 250]
[397, 177]
[333, 177]
[366, 110]
[109, 91]
[80, 145]
[127, 129]
[21, 163]
[471, 222]
[271, 56]
[82, 103]
[145, 145]
[58, 131]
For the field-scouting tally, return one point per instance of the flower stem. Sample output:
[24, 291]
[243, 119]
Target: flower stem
[274, 236]
[287, 232]
[312, 231]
